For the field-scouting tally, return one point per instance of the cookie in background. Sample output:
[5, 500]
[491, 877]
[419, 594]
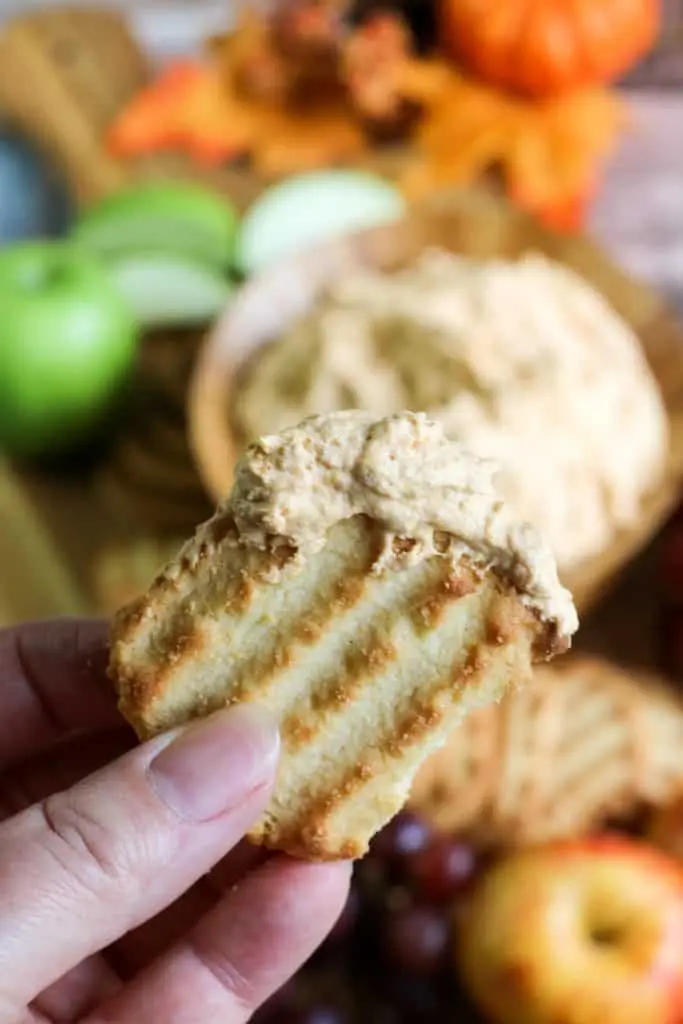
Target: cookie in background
[585, 743]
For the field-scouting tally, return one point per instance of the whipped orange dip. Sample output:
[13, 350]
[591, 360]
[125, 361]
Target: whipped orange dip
[410, 479]
[522, 361]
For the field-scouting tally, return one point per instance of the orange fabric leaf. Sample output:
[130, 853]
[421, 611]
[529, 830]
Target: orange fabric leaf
[212, 125]
[287, 144]
[566, 215]
[197, 109]
[424, 81]
[561, 148]
[546, 151]
[146, 121]
[185, 108]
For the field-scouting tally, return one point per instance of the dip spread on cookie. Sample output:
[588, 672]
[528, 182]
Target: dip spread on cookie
[522, 361]
[411, 480]
[366, 585]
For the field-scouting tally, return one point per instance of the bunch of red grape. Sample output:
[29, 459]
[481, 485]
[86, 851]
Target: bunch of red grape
[389, 960]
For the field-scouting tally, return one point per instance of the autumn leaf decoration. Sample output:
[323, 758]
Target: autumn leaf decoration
[192, 109]
[547, 151]
[184, 109]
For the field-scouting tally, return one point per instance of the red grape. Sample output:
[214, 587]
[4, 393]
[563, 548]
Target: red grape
[409, 1001]
[442, 869]
[416, 939]
[405, 835]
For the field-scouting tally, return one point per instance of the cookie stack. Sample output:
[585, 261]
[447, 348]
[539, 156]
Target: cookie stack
[585, 742]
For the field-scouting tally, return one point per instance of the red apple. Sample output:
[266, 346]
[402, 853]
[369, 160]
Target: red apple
[582, 932]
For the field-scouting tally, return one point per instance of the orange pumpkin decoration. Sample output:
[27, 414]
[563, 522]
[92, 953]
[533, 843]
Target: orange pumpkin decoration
[544, 47]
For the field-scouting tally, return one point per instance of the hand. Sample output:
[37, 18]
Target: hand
[103, 842]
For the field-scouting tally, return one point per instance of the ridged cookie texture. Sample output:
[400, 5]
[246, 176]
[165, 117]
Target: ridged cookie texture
[585, 743]
[329, 588]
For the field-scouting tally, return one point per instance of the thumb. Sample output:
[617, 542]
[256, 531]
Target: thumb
[88, 864]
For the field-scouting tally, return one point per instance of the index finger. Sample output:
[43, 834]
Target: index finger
[53, 683]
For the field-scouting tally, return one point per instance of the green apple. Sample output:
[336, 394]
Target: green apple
[310, 208]
[178, 217]
[67, 342]
[165, 290]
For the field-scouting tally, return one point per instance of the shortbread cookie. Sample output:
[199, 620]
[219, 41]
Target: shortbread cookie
[365, 582]
[584, 742]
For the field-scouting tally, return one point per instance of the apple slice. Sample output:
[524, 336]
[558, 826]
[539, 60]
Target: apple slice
[309, 208]
[174, 216]
[164, 290]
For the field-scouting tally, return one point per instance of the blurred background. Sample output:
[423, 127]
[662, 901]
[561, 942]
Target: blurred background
[178, 181]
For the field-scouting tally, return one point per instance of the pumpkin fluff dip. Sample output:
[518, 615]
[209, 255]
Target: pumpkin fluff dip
[522, 361]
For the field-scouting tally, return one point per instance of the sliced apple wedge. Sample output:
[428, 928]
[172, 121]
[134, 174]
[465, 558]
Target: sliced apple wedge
[168, 291]
[310, 208]
[174, 216]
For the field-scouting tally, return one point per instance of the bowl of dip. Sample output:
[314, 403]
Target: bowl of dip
[531, 347]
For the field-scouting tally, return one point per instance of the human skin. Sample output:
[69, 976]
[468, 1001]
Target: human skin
[118, 901]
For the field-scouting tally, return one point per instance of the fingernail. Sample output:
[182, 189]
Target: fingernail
[213, 765]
